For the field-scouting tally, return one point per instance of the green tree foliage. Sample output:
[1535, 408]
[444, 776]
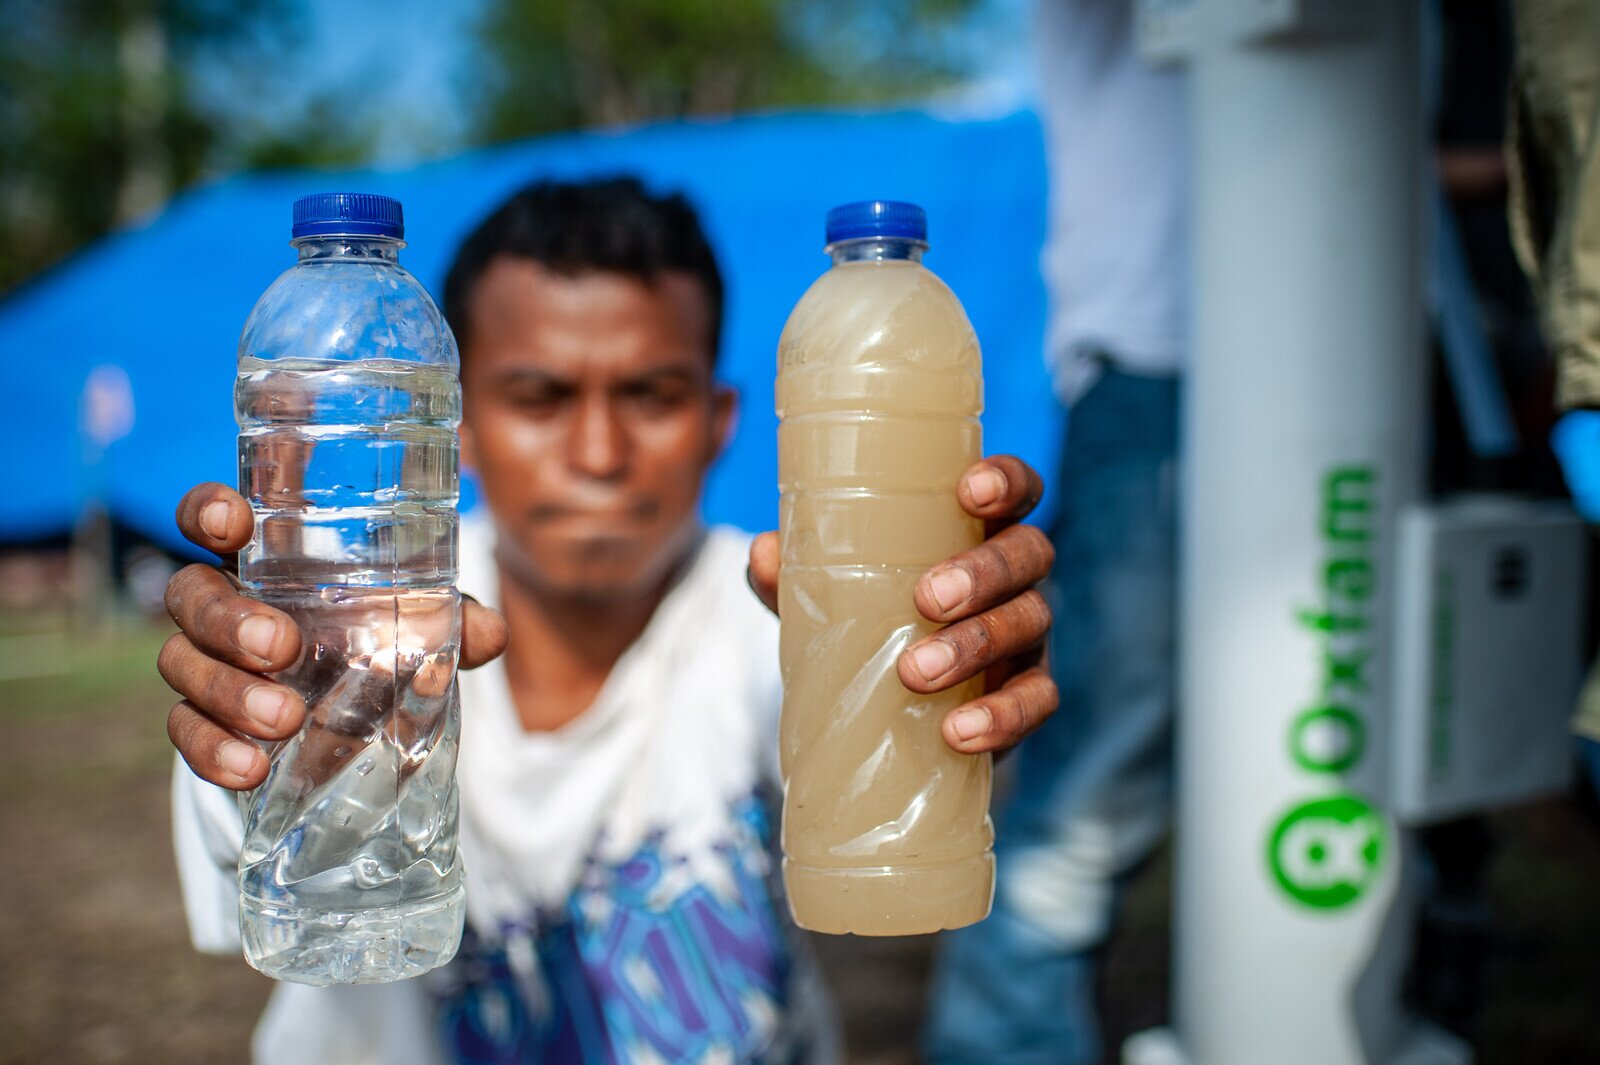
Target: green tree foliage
[95, 125]
[109, 107]
[560, 64]
[102, 116]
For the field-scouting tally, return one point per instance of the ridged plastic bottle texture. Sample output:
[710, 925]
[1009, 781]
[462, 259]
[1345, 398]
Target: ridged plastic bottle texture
[348, 402]
[885, 828]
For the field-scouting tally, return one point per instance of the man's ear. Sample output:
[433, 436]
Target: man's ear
[724, 419]
[469, 447]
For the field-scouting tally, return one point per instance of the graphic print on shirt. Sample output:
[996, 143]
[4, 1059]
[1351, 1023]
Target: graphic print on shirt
[660, 959]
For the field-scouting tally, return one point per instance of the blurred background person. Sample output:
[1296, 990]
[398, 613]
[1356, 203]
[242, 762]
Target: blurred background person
[1555, 225]
[1090, 795]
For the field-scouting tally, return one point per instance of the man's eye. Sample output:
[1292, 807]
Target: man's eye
[535, 400]
[656, 397]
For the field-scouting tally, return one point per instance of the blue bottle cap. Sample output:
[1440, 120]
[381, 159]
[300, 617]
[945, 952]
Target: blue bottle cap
[356, 214]
[877, 218]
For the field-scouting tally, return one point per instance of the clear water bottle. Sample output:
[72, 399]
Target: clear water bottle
[349, 402]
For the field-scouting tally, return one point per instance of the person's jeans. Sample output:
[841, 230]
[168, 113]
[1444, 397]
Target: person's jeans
[1092, 786]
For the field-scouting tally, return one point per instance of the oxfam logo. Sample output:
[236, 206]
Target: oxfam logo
[1325, 853]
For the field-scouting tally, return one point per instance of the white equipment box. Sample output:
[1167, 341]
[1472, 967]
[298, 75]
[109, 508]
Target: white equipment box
[1489, 632]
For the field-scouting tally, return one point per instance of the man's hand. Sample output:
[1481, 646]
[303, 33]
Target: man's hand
[228, 642]
[996, 619]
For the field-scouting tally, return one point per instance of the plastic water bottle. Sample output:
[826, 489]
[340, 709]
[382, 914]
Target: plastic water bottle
[348, 400]
[885, 828]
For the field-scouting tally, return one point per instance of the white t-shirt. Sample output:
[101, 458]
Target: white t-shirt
[1116, 258]
[622, 891]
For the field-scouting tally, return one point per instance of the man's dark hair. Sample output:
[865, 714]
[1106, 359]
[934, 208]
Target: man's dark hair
[611, 224]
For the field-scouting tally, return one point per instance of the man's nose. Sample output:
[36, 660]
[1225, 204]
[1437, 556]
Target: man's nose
[599, 444]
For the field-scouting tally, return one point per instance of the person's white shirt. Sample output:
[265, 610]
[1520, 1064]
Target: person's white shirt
[622, 894]
[1116, 255]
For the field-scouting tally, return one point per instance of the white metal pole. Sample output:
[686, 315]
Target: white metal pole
[1303, 420]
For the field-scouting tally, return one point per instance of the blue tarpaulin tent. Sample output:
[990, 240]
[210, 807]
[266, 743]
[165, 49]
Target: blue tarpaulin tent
[165, 302]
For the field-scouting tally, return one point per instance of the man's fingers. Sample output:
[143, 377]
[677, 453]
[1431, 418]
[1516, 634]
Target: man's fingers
[214, 753]
[483, 633]
[1011, 560]
[1000, 719]
[230, 626]
[763, 571]
[967, 648]
[215, 517]
[236, 700]
[1001, 489]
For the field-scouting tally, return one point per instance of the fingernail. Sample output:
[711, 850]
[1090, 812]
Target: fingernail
[970, 724]
[266, 704]
[257, 634]
[933, 660]
[237, 758]
[986, 486]
[950, 587]
[214, 520]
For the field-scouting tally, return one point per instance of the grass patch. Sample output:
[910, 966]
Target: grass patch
[93, 676]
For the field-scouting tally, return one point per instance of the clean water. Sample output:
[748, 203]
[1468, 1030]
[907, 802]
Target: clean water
[348, 404]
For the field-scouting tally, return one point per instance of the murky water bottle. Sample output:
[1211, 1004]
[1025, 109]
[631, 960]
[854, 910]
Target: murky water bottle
[348, 401]
[885, 828]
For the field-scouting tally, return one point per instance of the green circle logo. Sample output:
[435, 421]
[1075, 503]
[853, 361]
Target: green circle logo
[1326, 853]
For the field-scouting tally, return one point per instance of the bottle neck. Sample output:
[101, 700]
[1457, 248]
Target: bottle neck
[877, 250]
[386, 249]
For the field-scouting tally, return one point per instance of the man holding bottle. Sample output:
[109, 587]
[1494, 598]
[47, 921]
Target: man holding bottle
[618, 743]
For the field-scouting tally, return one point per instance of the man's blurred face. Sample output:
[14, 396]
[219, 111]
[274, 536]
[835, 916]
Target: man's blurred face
[591, 418]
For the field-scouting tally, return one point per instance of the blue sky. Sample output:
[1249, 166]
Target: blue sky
[396, 63]
[400, 65]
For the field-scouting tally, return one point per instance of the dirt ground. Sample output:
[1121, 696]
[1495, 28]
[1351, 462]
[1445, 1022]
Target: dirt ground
[96, 968]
